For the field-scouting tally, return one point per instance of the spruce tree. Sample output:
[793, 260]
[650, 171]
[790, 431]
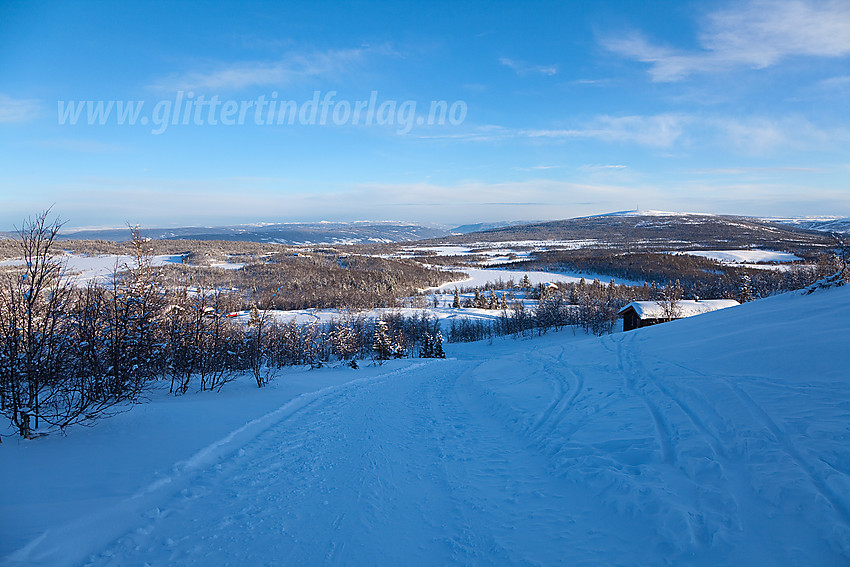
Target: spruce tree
[381, 344]
[746, 291]
[438, 346]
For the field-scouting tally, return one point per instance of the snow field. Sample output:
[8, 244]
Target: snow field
[83, 270]
[479, 277]
[743, 256]
[718, 439]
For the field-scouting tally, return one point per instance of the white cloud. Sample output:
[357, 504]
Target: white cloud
[754, 34]
[523, 68]
[592, 82]
[18, 110]
[538, 168]
[485, 133]
[77, 145]
[761, 135]
[661, 130]
[292, 68]
[837, 84]
[754, 170]
[602, 167]
[751, 135]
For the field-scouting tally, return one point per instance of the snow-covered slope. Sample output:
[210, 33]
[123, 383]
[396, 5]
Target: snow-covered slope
[722, 439]
[824, 224]
[650, 213]
[658, 230]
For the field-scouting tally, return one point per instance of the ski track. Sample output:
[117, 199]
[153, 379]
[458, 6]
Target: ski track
[69, 544]
[780, 437]
[417, 455]
[787, 446]
[555, 374]
[691, 430]
[637, 383]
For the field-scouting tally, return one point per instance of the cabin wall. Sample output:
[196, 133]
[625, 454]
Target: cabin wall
[631, 320]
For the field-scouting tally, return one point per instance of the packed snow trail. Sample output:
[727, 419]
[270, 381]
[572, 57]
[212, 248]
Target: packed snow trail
[409, 470]
[716, 440]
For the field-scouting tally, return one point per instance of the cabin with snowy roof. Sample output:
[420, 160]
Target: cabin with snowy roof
[639, 314]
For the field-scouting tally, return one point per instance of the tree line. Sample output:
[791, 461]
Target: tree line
[699, 277]
[592, 307]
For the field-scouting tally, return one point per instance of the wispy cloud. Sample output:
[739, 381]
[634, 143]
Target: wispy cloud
[77, 145]
[750, 135]
[538, 168]
[292, 68]
[754, 170]
[593, 82]
[18, 110]
[761, 135]
[754, 34]
[523, 68]
[485, 133]
[839, 84]
[661, 130]
[602, 167]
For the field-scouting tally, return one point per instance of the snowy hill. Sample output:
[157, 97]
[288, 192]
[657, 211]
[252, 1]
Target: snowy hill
[649, 213]
[823, 224]
[721, 439]
[658, 230]
[479, 226]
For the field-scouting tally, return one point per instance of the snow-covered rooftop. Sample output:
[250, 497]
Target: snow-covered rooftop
[684, 307]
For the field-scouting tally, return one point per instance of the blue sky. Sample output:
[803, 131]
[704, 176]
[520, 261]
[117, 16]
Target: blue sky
[560, 109]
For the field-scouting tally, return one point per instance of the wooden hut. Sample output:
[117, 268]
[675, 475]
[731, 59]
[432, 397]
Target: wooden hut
[639, 314]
